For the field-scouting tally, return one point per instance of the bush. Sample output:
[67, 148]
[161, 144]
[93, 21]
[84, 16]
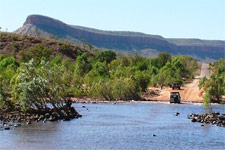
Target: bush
[214, 86]
[142, 79]
[39, 88]
[106, 56]
[82, 66]
[8, 62]
[38, 52]
[5, 104]
[117, 89]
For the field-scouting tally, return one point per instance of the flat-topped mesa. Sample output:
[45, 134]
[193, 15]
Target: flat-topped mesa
[40, 20]
[107, 39]
[122, 40]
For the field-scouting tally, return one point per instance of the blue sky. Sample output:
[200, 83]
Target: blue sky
[203, 19]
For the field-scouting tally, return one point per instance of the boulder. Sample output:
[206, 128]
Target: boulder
[47, 115]
[177, 113]
[193, 120]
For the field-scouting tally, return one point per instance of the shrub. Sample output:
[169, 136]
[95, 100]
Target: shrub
[32, 88]
[106, 56]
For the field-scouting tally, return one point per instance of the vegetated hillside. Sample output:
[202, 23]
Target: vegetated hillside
[133, 42]
[14, 43]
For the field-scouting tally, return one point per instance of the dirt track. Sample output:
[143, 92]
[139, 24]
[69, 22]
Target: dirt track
[189, 92]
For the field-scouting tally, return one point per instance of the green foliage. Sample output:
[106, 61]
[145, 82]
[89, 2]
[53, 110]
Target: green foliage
[101, 69]
[186, 65]
[82, 66]
[214, 86]
[38, 52]
[142, 79]
[106, 56]
[168, 74]
[142, 65]
[14, 48]
[207, 102]
[163, 58]
[41, 81]
[154, 62]
[55, 61]
[3, 97]
[66, 49]
[32, 88]
[117, 89]
[8, 63]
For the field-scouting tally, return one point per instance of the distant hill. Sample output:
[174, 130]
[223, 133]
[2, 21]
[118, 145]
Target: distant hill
[130, 42]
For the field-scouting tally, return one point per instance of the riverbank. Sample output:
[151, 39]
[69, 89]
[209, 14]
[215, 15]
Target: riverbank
[11, 119]
[94, 101]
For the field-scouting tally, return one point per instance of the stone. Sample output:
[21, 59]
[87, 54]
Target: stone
[28, 122]
[41, 118]
[17, 125]
[193, 120]
[6, 127]
[217, 113]
[177, 113]
[47, 115]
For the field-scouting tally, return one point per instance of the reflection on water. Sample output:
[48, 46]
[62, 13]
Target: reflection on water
[121, 126]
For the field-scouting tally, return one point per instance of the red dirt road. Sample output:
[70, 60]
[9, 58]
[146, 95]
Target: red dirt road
[189, 92]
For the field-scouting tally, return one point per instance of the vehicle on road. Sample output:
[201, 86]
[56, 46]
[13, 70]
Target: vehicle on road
[175, 97]
[176, 85]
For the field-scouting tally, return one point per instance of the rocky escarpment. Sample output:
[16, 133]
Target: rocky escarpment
[123, 41]
[110, 40]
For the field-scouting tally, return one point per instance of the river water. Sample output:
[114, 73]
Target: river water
[120, 127]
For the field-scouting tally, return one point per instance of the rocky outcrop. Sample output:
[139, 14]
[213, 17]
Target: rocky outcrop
[9, 120]
[213, 118]
[125, 41]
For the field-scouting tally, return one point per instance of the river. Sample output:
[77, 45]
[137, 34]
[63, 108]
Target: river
[120, 127]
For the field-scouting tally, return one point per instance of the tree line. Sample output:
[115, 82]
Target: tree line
[37, 79]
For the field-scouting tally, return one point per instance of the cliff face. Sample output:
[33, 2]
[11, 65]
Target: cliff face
[125, 41]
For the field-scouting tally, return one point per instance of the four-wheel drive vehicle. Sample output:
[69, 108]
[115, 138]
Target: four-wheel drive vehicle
[176, 85]
[175, 97]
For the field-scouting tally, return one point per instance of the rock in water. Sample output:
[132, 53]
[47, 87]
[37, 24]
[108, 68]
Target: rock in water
[28, 122]
[177, 113]
[6, 127]
[193, 120]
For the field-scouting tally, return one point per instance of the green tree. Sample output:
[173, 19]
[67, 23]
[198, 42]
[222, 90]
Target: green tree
[41, 89]
[214, 86]
[142, 79]
[164, 57]
[82, 66]
[106, 56]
